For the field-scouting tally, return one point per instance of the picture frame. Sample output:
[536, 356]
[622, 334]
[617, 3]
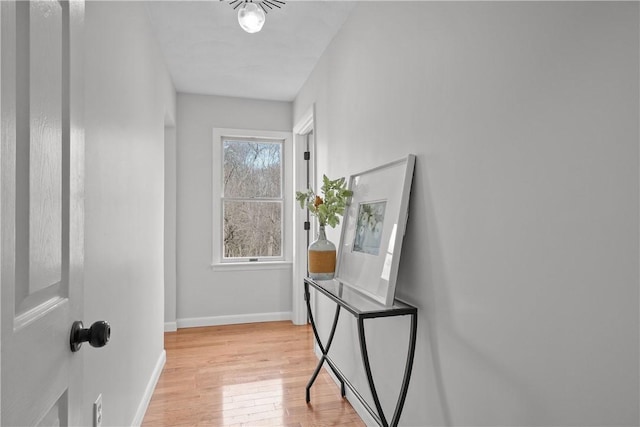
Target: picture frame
[373, 228]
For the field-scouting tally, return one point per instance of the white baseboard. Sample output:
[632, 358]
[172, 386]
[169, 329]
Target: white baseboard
[170, 326]
[357, 406]
[362, 412]
[148, 392]
[195, 322]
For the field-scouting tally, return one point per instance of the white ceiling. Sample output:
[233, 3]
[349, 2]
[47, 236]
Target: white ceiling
[207, 52]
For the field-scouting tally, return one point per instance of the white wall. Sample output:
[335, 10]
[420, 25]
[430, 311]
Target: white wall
[522, 243]
[206, 296]
[170, 210]
[128, 97]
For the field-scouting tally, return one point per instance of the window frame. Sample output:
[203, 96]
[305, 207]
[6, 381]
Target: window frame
[279, 200]
[218, 258]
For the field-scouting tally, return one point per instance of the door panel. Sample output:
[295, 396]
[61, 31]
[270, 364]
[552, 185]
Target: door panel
[39, 143]
[56, 416]
[44, 144]
[41, 216]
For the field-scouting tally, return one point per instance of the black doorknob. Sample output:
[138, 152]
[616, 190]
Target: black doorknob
[97, 335]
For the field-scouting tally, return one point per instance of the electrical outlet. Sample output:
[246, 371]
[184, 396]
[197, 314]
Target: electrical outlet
[97, 412]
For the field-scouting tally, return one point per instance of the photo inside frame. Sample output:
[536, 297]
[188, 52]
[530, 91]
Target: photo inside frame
[369, 227]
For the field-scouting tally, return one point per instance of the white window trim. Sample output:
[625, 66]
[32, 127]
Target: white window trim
[218, 262]
[250, 266]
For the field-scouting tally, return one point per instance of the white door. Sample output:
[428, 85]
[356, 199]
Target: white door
[41, 216]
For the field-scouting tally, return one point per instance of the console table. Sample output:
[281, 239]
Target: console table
[361, 307]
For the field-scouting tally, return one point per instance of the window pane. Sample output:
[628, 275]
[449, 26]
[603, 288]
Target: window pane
[252, 169]
[252, 229]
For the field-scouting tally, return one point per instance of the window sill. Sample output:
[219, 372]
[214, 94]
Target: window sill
[252, 266]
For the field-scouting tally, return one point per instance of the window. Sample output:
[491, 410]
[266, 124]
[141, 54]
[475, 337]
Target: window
[252, 199]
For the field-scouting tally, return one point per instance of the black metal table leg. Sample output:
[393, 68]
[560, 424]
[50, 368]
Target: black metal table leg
[407, 370]
[323, 349]
[405, 379]
[367, 368]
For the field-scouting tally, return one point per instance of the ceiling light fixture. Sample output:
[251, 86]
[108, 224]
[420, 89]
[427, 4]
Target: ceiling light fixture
[251, 14]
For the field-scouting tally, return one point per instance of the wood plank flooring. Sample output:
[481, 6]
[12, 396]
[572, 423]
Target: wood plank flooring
[245, 375]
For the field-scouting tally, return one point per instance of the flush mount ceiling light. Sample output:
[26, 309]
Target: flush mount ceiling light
[251, 14]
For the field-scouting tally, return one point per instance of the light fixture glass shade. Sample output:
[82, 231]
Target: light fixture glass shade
[251, 18]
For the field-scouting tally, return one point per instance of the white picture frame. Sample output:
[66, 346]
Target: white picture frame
[373, 229]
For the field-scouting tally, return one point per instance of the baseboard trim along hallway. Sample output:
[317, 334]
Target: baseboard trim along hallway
[148, 392]
[196, 322]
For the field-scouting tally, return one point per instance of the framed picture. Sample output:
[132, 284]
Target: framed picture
[373, 229]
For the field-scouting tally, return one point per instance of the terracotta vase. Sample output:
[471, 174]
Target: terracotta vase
[322, 257]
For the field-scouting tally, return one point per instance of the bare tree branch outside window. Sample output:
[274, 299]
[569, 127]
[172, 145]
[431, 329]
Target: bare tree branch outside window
[252, 198]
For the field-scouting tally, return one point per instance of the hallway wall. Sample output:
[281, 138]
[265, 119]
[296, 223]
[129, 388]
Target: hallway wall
[208, 294]
[129, 100]
[521, 249]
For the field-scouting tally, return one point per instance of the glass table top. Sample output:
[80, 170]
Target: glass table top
[357, 303]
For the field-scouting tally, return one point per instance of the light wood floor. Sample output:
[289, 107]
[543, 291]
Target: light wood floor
[245, 375]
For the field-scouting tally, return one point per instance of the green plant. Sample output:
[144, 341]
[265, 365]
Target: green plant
[331, 206]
